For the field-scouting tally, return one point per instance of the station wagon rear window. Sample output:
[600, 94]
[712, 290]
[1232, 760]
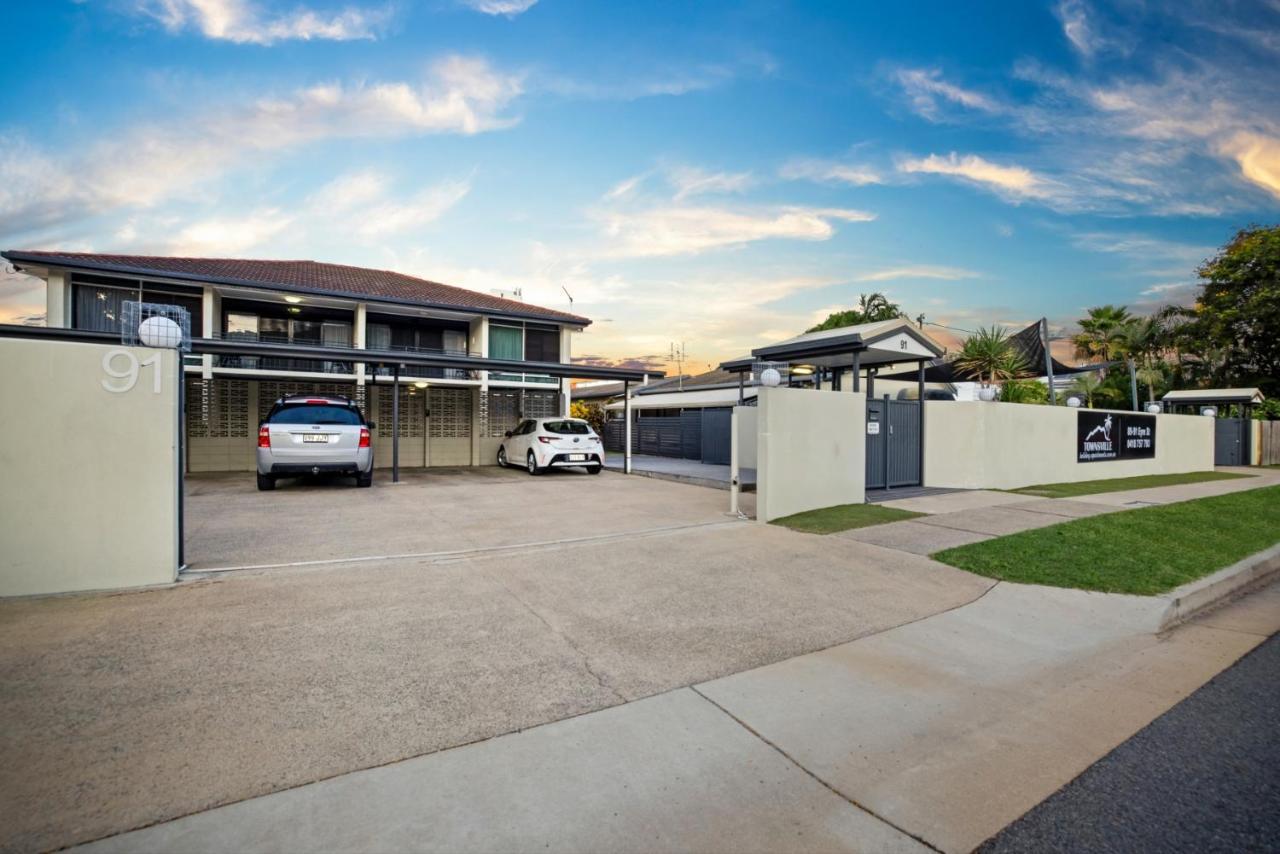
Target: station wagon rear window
[567, 428]
[313, 414]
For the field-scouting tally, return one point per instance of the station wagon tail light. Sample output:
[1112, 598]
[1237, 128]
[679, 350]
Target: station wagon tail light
[364, 437]
[264, 437]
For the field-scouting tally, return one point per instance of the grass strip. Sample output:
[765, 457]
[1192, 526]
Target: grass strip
[843, 517]
[1145, 551]
[1093, 487]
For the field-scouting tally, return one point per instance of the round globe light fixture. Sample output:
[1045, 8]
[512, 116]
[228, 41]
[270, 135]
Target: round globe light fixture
[160, 332]
[770, 377]
[1154, 408]
[1074, 402]
[1211, 411]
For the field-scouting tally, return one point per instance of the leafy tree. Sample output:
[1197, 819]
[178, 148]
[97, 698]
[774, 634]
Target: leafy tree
[1024, 391]
[1087, 385]
[1101, 332]
[1238, 309]
[989, 357]
[872, 308]
[592, 413]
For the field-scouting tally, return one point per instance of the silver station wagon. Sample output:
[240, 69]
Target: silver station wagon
[311, 434]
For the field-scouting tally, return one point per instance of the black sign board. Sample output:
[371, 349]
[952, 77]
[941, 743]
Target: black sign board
[1114, 436]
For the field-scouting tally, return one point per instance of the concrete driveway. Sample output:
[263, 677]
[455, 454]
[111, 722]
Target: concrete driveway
[124, 710]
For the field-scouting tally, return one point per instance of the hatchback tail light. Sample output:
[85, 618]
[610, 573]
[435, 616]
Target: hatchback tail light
[364, 437]
[264, 437]
[546, 440]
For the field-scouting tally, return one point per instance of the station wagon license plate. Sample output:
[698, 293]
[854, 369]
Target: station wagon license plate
[574, 457]
[315, 437]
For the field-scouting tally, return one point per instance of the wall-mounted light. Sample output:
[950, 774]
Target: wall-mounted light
[294, 310]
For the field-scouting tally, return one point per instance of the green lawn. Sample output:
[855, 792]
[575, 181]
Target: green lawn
[1092, 487]
[829, 520]
[1144, 551]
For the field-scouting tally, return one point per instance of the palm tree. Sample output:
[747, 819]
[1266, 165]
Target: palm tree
[1087, 385]
[988, 356]
[1151, 376]
[872, 308]
[1137, 341]
[1100, 331]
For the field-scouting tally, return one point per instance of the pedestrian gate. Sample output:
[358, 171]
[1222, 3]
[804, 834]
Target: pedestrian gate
[894, 443]
[1231, 441]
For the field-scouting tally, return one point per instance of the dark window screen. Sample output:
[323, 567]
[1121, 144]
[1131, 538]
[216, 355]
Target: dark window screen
[567, 428]
[541, 345]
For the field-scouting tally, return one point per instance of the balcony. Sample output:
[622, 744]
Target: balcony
[277, 363]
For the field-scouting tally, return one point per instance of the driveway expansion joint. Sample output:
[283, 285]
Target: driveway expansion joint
[839, 794]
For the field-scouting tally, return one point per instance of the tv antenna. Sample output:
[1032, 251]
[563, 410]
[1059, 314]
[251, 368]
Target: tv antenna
[514, 293]
[569, 295]
[678, 356]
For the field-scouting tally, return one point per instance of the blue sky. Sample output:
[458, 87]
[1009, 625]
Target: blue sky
[718, 174]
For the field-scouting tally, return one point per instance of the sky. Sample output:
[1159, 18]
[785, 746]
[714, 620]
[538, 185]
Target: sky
[716, 176]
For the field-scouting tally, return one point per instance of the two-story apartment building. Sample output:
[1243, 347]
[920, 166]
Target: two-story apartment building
[448, 416]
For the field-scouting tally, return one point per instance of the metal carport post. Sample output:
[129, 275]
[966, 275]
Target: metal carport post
[626, 428]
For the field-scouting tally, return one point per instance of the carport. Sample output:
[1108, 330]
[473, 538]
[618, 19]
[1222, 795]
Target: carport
[395, 361]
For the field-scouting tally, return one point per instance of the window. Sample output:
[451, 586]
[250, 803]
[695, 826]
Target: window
[567, 428]
[526, 427]
[314, 414]
[506, 342]
[100, 307]
[541, 344]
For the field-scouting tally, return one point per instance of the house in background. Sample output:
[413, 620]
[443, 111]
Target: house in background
[448, 416]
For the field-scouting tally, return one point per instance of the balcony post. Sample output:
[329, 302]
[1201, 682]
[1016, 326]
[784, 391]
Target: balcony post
[211, 311]
[359, 338]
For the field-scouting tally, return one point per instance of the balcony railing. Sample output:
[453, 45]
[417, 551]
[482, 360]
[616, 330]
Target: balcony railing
[279, 363]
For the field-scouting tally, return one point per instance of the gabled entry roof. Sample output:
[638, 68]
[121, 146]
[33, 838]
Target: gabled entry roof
[884, 342]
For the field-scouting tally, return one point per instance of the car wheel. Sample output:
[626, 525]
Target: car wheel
[266, 482]
[531, 463]
[595, 469]
[502, 457]
[365, 480]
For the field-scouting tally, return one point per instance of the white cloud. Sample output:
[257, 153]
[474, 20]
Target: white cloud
[689, 181]
[919, 271]
[1259, 159]
[229, 236]
[1010, 181]
[925, 86]
[510, 8]
[245, 22]
[1074, 16]
[624, 188]
[828, 171]
[398, 217]
[675, 230]
[145, 165]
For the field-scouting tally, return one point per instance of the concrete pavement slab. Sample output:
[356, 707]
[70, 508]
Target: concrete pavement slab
[911, 536]
[670, 773]
[1068, 507]
[952, 727]
[950, 502]
[121, 710]
[1189, 491]
[995, 521]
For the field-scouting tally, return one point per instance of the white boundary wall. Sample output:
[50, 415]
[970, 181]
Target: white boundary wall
[990, 445]
[811, 451]
[90, 493]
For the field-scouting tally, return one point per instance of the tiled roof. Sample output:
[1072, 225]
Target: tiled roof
[305, 276]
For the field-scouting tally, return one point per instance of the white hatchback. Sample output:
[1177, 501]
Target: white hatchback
[542, 443]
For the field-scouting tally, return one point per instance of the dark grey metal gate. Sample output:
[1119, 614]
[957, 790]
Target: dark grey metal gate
[716, 425]
[893, 443]
[1231, 441]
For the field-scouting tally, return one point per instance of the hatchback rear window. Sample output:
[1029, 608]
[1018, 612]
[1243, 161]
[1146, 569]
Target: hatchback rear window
[315, 414]
[567, 428]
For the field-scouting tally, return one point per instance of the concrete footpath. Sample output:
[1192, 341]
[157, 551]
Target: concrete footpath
[936, 734]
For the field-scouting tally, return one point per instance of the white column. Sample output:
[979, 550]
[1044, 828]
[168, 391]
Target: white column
[479, 344]
[566, 356]
[57, 307]
[358, 338]
[210, 310]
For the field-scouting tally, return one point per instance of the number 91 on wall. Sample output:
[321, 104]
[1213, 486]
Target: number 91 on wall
[123, 371]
